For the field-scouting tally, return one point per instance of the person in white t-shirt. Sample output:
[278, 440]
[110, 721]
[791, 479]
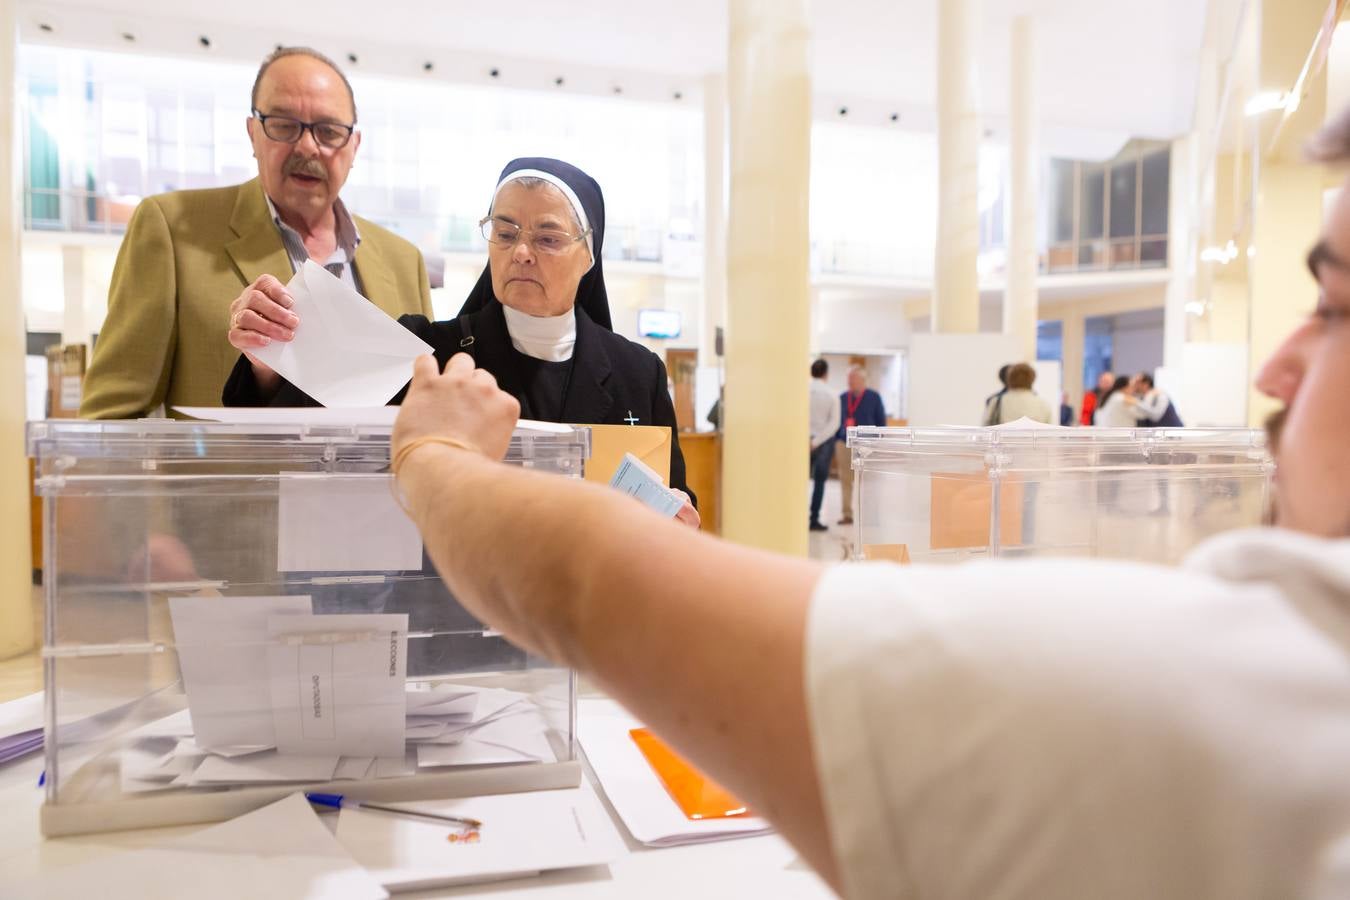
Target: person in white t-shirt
[1047, 729]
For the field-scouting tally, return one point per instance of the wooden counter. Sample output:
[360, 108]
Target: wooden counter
[703, 470]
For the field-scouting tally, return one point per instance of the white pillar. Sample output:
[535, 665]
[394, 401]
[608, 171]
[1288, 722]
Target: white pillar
[714, 215]
[16, 565]
[73, 329]
[1020, 299]
[956, 291]
[768, 277]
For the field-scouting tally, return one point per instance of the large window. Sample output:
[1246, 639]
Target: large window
[105, 130]
[1117, 217]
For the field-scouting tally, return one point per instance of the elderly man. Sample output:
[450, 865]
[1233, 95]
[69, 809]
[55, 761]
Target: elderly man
[1046, 729]
[188, 254]
[859, 405]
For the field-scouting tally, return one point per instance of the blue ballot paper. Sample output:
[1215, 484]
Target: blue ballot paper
[636, 478]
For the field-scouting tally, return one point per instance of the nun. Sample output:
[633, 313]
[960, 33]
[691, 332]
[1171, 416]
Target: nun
[537, 319]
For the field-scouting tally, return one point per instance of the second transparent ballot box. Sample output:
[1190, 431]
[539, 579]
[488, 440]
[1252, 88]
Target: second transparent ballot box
[938, 495]
[235, 612]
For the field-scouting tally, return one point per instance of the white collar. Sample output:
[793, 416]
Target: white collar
[550, 338]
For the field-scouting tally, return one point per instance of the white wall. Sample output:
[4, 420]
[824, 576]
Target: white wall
[1136, 348]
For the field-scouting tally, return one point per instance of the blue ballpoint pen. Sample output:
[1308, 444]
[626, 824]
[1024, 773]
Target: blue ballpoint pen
[339, 801]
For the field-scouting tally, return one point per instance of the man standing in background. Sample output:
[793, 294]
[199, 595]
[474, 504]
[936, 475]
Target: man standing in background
[859, 405]
[824, 425]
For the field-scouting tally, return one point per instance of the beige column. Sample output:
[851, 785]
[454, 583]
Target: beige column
[714, 304]
[768, 279]
[16, 566]
[956, 291]
[73, 328]
[1073, 337]
[1020, 299]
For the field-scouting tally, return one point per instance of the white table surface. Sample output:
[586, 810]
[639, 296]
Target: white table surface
[743, 868]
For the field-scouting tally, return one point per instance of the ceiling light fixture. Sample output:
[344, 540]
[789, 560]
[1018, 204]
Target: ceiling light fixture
[428, 66]
[204, 41]
[558, 82]
[128, 36]
[351, 58]
[679, 95]
[43, 26]
[494, 72]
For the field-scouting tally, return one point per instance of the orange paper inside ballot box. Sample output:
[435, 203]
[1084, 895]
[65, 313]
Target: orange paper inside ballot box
[697, 795]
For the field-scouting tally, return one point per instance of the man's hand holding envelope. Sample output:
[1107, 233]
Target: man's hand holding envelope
[349, 352]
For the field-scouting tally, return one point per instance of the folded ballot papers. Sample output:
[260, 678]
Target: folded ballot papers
[639, 480]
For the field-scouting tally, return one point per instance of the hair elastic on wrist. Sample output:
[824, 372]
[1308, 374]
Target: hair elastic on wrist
[403, 452]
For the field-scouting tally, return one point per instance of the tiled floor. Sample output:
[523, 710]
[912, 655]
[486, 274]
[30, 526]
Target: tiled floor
[22, 675]
[837, 543]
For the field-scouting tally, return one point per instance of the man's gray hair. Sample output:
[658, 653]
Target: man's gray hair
[282, 53]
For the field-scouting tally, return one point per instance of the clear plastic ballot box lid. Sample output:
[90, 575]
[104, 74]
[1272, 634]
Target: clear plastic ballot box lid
[235, 612]
[938, 495]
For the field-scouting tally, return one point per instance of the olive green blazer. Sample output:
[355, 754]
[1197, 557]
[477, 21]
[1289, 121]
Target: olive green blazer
[186, 256]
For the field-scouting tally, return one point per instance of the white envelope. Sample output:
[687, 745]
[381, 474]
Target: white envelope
[347, 351]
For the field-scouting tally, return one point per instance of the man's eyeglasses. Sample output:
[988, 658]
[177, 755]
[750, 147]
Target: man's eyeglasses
[549, 240]
[287, 130]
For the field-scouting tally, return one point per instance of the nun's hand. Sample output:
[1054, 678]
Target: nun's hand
[687, 514]
[461, 406]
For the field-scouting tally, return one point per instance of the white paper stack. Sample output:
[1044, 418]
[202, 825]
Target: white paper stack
[279, 852]
[522, 834]
[635, 791]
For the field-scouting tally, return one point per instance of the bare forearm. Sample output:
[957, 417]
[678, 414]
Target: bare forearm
[701, 639]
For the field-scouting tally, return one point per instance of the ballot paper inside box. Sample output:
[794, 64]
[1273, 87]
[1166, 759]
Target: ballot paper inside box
[236, 611]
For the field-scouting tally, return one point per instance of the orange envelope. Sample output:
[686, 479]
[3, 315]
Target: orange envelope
[697, 795]
[962, 509]
[649, 443]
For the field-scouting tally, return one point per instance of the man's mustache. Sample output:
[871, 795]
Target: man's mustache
[1275, 428]
[299, 165]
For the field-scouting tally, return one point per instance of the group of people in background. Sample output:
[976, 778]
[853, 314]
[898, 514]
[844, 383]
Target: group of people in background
[1118, 401]
[831, 417]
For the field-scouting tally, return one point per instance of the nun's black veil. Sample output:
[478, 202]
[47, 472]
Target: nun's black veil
[591, 295]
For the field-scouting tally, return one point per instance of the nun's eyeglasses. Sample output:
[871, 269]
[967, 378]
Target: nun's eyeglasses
[552, 241]
[289, 131]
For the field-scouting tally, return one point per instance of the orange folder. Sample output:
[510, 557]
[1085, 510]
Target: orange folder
[697, 795]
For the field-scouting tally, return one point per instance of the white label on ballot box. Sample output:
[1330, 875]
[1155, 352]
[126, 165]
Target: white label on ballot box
[338, 684]
[344, 523]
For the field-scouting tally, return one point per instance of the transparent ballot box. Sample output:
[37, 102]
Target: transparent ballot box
[235, 612]
[938, 495]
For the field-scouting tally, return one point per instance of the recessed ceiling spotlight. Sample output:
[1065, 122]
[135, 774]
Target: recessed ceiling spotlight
[679, 95]
[494, 72]
[204, 41]
[428, 66]
[843, 110]
[351, 58]
[43, 26]
[895, 117]
[558, 81]
[128, 36]
[988, 133]
[618, 89]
